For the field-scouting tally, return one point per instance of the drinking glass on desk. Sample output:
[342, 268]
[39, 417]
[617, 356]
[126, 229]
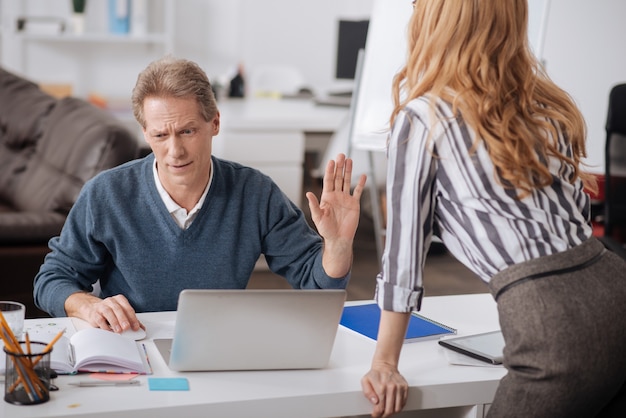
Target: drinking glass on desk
[14, 313]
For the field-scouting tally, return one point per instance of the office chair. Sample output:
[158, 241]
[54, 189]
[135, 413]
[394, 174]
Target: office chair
[615, 165]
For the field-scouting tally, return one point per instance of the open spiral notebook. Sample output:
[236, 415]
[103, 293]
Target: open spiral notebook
[83, 348]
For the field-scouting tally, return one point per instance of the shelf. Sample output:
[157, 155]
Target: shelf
[156, 38]
[96, 60]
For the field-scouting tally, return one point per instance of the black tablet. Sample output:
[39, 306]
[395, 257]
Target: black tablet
[486, 347]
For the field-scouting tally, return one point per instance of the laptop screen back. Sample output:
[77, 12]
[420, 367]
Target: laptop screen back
[253, 329]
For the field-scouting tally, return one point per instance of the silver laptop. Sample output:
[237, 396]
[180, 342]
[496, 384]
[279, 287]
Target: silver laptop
[253, 329]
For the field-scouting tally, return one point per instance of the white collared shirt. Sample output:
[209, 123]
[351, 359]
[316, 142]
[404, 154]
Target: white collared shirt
[179, 214]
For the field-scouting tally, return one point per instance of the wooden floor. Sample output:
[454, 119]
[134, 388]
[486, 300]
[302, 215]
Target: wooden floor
[443, 275]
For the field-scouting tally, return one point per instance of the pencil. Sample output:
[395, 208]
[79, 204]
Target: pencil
[10, 336]
[23, 368]
[26, 368]
[28, 346]
[49, 346]
[54, 340]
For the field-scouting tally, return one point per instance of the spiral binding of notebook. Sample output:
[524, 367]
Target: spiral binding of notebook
[439, 324]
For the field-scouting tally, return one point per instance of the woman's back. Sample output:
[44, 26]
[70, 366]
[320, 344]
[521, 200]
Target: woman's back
[484, 224]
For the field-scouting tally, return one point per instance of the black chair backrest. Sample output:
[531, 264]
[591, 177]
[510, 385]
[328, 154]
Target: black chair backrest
[616, 118]
[615, 160]
[615, 147]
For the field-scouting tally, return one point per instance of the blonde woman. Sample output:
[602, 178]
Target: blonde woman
[485, 152]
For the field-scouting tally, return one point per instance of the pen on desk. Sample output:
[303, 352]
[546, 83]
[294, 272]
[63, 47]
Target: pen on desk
[89, 383]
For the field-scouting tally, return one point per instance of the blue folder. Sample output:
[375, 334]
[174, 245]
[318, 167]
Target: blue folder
[364, 319]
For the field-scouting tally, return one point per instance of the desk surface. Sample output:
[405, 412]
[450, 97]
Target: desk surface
[330, 392]
[258, 114]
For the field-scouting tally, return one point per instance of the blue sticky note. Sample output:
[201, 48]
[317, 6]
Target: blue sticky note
[168, 383]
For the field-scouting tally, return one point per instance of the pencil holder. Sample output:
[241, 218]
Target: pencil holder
[27, 374]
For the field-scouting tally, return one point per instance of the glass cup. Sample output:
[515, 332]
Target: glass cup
[27, 375]
[14, 313]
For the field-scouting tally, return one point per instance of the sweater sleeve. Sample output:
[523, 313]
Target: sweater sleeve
[75, 262]
[293, 249]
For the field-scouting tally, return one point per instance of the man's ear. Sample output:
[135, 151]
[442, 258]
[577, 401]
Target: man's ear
[215, 123]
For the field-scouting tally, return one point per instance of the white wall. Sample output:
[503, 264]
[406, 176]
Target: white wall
[218, 34]
[585, 55]
[302, 33]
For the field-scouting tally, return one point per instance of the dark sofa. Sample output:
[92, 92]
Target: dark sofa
[49, 148]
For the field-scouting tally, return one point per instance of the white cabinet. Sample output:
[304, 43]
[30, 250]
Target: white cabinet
[279, 154]
[270, 135]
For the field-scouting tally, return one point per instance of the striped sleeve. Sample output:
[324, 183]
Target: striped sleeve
[410, 180]
[441, 182]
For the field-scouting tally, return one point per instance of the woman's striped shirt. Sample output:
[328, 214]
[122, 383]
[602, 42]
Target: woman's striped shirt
[437, 187]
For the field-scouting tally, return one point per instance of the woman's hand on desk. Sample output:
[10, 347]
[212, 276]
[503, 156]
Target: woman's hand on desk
[383, 385]
[113, 313]
[386, 389]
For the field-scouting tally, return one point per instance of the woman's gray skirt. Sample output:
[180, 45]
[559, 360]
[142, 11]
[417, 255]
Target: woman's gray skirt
[563, 318]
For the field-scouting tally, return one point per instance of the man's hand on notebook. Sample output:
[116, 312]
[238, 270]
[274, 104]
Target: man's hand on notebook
[113, 313]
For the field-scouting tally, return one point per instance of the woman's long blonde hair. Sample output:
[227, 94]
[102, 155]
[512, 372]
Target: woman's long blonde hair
[475, 55]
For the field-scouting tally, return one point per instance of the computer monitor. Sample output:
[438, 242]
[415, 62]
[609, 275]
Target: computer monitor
[351, 37]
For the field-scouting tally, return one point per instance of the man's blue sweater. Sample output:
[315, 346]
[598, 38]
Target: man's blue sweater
[120, 232]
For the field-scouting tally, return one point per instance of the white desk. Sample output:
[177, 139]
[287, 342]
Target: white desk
[271, 135]
[331, 392]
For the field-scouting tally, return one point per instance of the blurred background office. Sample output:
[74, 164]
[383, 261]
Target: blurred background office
[581, 47]
[219, 35]
[97, 54]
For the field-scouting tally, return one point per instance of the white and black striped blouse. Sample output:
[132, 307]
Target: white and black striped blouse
[435, 186]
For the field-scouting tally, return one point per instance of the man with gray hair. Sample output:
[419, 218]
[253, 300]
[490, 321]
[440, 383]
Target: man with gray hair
[181, 218]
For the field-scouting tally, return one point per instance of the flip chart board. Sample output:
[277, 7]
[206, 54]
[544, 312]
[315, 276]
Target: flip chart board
[385, 53]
